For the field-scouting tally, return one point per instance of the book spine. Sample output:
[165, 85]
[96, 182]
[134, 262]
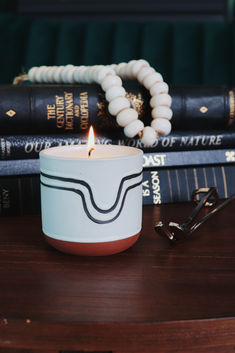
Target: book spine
[21, 194]
[29, 146]
[73, 108]
[173, 185]
[188, 158]
[20, 167]
[150, 161]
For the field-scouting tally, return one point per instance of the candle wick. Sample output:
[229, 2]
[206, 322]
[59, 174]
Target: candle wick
[90, 150]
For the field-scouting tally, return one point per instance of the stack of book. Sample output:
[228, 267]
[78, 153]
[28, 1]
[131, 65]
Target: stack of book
[200, 152]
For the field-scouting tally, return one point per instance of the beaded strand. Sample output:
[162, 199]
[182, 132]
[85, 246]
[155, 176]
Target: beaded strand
[110, 78]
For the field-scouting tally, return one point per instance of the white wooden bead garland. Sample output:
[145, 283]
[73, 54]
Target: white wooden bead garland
[110, 78]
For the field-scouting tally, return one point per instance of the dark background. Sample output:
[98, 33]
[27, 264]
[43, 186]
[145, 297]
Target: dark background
[136, 10]
[188, 42]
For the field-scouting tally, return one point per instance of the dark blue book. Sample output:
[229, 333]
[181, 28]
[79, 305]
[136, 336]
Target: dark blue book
[28, 146]
[40, 109]
[155, 161]
[169, 185]
[20, 194]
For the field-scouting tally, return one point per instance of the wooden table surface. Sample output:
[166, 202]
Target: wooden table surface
[154, 297]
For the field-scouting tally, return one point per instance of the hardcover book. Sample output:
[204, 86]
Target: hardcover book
[29, 146]
[30, 109]
[151, 160]
[20, 194]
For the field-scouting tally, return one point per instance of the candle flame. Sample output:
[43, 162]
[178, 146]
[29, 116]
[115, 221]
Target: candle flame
[91, 141]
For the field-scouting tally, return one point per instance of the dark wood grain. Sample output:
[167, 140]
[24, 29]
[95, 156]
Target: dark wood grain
[154, 297]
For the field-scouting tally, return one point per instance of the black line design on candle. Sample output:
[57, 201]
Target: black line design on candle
[80, 193]
[85, 184]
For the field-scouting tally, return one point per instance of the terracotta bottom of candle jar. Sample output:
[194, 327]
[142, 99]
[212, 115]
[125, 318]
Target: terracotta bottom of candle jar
[92, 249]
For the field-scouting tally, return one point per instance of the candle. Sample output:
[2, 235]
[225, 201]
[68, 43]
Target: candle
[91, 198]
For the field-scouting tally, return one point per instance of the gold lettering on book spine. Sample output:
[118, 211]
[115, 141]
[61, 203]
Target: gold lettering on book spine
[137, 102]
[62, 111]
[69, 115]
[231, 107]
[59, 112]
[230, 156]
[50, 111]
[11, 113]
[203, 109]
[108, 121]
[84, 112]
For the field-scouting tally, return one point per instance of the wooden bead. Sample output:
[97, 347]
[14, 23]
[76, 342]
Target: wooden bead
[39, 74]
[151, 79]
[158, 88]
[149, 136]
[50, 74]
[93, 73]
[160, 99]
[58, 74]
[128, 71]
[65, 73]
[94, 67]
[45, 74]
[126, 116]
[113, 66]
[95, 70]
[32, 73]
[144, 71]
[70, 75]
[88, 75]
[132, 129]
[103, 72]
[123, 73]
[119, 67]
[84, 75]
[138, 65]
[77, 73]
[162, 112]
[162, 126]
[99, 72]
[114, 92]
[118, 104]
[110, 81]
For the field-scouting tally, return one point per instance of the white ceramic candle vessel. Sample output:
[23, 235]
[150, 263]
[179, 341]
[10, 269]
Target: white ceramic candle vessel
[91, 205]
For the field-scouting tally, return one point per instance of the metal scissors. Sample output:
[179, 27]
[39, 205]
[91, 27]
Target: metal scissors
[176, 232]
